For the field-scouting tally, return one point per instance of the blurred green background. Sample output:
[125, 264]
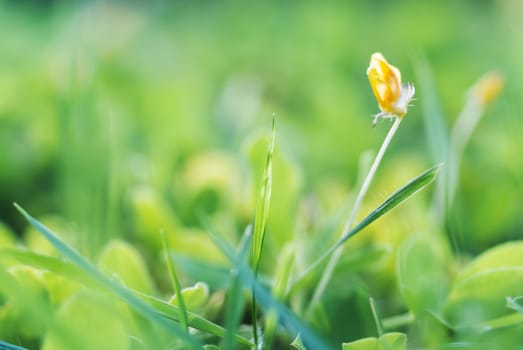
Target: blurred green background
[103, 103]
[118, 119]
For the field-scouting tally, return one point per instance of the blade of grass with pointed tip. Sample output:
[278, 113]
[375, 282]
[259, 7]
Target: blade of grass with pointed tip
[285, 316]
[176, 283]
[412, 187]
[297, 344]
[117, 289]
[72, 272]
[260, 222]
[262, 205]
[235, 303]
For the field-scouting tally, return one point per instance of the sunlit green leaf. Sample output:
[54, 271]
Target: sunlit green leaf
[480, 291]
[194, 296]
[422, 273]
[388, 341]
[91, 321]
[122, 260]
[172, 312]
[297, 343]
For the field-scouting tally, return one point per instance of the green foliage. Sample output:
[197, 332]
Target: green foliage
[480, 290]
[90, 322]
[392, 341]
[162, 124]
[7, 238]
[17, 315]
[194, 296]
[121, 260]
[124, 294]
[180, 300]
[395, 199]
[297, 344]
[423, 291]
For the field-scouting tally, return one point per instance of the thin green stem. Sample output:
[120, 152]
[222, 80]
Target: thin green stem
[397, 321]
[377, 320]
[335, 257]
[176, 284]
[254, 311]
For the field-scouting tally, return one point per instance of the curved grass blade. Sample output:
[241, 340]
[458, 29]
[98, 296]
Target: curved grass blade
[235, 303]
[8, 346]
[176, 283]
[50, 263]
[286, 318]
[172, 312]
[412, 187]
[72, 272]
[118, 290]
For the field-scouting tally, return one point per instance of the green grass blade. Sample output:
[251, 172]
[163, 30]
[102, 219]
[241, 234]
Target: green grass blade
[377, 319]
[174, 313]
[297, 344]
[235, 303]
[262, 205]
[286, 318]
[121, 292]
[176, 283]
[234, 307]
[51, 263]
[436, 129]
[7, 346]
[260, 222]
[412, 187]
[72, 272]
[507, 321]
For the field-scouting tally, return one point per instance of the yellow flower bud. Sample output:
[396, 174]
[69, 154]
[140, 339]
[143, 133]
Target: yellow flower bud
[488, 87]
[385, 80]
